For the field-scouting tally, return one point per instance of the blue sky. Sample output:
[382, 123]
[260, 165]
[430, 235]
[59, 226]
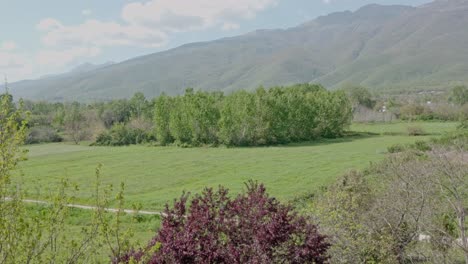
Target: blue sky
[51, 36]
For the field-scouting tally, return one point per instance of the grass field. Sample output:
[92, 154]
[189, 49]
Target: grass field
[156, 175]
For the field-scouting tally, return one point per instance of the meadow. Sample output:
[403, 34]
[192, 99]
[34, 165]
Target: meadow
[154, 176]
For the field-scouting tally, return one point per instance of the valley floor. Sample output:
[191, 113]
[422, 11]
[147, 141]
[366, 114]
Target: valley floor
[154, 176]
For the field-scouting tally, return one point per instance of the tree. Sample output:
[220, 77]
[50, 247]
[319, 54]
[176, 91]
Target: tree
[450, 174]
[75, 123]
[39, 233]
[162, 117]
[12, 135]
[341, 213]
[237, 123]
[251, 228]
[459, 95]
[360, 95]
[138, 105]
[404, 205]
[203, 117]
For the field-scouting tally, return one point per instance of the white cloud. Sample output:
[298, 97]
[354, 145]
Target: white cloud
[230, 26]
[49, 24]
[11, 60]
[182, 15]
[148, 24]
[64, 57]
[7, 46]
[142, 24]
[86, 12]
[96, 33]
[15, 65]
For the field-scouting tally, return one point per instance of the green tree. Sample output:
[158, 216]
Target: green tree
[360, 95]
[237, 121]
[203, 113]
[162, 116]
[138, 105]
[75, 123]
[179, 122]
[459, 95]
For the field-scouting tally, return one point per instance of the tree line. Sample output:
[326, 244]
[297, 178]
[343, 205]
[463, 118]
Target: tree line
[277, 115]
[264, 117]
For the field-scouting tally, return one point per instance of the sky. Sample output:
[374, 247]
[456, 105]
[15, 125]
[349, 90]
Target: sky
[51, 36]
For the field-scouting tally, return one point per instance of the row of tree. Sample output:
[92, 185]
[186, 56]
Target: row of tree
[266, 116]
[277, 115]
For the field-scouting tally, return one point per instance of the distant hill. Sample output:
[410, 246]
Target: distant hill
[381, 47]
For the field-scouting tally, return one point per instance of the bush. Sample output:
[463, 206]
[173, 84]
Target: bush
[396, 148]
[121, 135]
[415, 131]
[422, 146]
[252, 228]
[459, 138]
[43, 135]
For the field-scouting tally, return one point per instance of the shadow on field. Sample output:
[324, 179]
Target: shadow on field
[348, 137]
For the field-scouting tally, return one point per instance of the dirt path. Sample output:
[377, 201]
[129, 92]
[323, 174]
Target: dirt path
[87, 207]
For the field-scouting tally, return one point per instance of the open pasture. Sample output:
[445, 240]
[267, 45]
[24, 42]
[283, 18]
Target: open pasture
[154, 176]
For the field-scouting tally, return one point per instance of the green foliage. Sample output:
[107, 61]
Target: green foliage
[277, 115]
[459, 95]
[396, 148]
[415, 131]
[42, 134]
[38, 233]
[422, 145]
[121, 134]
[75, 123]
[360, 95]
[419, 145]
[459, 137]
[162, 109]
[237, 119]
[341, 211]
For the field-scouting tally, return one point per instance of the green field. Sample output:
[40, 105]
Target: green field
[154, 176]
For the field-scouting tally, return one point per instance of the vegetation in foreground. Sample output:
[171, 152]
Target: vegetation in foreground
[425, 222]
[410, 208]
[250, 228]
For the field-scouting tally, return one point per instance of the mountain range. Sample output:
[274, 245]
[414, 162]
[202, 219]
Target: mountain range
[386, 48]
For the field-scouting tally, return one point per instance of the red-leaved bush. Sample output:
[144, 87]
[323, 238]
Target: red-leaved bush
[252, 228]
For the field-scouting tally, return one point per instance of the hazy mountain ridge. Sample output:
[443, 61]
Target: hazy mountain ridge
[377, 46]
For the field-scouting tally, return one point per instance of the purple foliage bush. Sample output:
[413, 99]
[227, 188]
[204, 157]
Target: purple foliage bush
[252, 228]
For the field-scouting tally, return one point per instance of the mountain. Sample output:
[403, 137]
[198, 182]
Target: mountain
[381, 47]
[87, 67]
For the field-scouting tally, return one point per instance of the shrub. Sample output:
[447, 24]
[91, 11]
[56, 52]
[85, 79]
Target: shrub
[42, 135]
[415, 131]
[252, 228]
[411, 111]
[121, 135]
[459, 138]
[396, 148]
[421, 146]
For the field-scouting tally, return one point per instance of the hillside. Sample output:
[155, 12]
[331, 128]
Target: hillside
[382, 47]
